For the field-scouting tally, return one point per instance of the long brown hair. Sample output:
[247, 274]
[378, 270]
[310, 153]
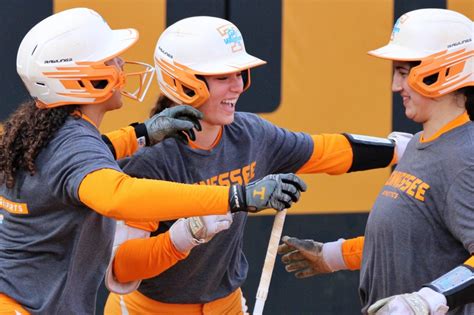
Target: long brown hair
[161, 104]
[25, 133]
[468, 91]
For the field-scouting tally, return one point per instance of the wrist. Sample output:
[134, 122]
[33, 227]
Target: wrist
[141, 134]
[181, 236]
[436, 301]
[237, 201]
[332, 254]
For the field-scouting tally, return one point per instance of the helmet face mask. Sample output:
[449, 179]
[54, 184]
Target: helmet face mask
[196, 47]
[442, 41]
[62, 59]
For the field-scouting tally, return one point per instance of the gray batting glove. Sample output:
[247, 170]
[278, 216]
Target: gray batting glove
[177, 122]
[273, 191]
[307, 258]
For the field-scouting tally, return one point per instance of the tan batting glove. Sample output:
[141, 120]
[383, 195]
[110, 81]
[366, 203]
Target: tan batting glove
[423, 302]
[307, 258]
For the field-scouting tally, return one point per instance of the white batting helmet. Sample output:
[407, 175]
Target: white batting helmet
[61, 59]
[195, 46]
[442, 40]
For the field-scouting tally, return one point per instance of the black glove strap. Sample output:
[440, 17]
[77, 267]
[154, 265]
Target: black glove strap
[140, 131]
[237, 198]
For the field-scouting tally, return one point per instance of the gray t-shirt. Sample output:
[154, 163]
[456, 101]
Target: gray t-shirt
[422, 223]
[53, 258]
[249, 149]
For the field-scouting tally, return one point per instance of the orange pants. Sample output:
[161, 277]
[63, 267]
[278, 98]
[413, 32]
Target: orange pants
[10, 306]
[136, 303]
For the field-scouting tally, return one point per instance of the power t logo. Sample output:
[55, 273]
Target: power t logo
[396, 27]
[231, 36]
[260, 193]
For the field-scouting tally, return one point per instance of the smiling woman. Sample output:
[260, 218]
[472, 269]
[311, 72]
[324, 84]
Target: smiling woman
[420, 232]
[202, 61]
[58, 175]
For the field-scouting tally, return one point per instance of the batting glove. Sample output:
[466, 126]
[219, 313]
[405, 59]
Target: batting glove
[185, 234]
[401, 140]
[273, 191]
[177, 122]
[423, 302]
[307, 258]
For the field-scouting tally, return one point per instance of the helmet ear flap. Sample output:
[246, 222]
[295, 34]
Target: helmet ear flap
[442, 73]
[180, 84]
[246, 78]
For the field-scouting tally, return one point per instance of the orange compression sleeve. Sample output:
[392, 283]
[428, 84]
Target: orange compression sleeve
[117, 195]
[146, 226]
[352, 252]
[332, 154]
[149, 257]
[470, 262]
[124, 141]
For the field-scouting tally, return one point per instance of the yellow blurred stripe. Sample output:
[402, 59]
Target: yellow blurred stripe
[331, 85]
[465, 7]
[146, 16]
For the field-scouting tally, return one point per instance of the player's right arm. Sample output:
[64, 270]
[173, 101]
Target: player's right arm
[119, 196]
[344, 153]
[306, 258]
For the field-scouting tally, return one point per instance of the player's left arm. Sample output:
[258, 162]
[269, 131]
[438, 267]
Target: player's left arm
[135, 252]
[178, 122]
[343, 153]
[125, 141]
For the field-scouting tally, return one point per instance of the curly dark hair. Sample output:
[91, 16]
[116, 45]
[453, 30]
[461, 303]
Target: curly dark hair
[25, 133]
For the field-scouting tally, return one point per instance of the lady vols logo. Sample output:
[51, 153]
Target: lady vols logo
[231, 37]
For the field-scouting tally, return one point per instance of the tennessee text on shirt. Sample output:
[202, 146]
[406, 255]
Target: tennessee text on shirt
[407, 183]
[240, 176]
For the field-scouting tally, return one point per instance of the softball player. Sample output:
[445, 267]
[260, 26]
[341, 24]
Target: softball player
[60, 185]
[201, 61]
[420, 233]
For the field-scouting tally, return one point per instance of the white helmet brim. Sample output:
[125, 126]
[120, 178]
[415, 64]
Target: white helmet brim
[119, 42]
[397, 52]
[229, 65]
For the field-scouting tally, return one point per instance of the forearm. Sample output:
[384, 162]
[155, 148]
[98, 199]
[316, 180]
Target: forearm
[337, 154]
[352, 250]
[149, 257]
[126, 141]
[117, 195]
